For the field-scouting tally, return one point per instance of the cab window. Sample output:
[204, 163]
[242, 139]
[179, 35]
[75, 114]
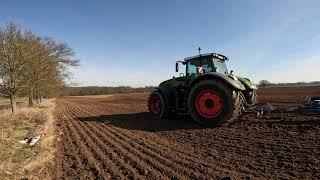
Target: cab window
[207, 64]
[194, 64]
[220, 66]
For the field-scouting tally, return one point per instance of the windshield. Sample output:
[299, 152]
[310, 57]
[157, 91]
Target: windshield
[194, 64]
[208, 64]
[220, 66]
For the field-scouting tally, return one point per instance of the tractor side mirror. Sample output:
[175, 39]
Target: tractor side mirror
[177, 67]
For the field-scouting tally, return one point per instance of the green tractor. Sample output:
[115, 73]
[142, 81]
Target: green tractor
[207, 91]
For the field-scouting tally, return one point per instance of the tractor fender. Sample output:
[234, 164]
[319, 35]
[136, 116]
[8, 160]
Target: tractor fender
[250, 87]
[160, 90]
[247, 84]
[225, 78]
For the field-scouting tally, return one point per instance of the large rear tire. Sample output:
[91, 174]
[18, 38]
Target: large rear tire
[157, 105]
[212, 102]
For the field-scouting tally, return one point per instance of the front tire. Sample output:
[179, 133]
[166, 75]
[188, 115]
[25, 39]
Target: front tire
[212, 102]
[157, 105]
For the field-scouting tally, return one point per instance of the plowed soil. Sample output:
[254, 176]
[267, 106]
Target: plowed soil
[115, 137]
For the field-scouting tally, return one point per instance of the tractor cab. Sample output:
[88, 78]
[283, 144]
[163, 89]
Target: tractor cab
[203, 63]
[195, 67]
[212, 62]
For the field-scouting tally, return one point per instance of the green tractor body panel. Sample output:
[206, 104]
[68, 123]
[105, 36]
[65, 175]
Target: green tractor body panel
[247, 83]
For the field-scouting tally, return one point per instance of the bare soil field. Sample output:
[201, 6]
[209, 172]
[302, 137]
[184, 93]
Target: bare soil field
[115, 137]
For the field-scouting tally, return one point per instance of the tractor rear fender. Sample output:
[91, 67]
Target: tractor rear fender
[224, 78]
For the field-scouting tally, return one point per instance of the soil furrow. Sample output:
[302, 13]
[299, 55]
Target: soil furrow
[143, 169]
[203, 169]
[144, 150]
[201, 166]
[111, 159]
[117, 131]
[234, 152]
[181, 164]
[75, 162]
[95, 166]
[132, 160]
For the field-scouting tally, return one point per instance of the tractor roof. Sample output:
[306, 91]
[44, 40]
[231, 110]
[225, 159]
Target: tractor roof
[216, 55]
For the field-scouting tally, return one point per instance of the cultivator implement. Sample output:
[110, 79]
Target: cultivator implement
[311, 107]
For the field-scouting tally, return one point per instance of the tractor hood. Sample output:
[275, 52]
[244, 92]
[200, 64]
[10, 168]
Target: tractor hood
[172, 82]
[165, 82]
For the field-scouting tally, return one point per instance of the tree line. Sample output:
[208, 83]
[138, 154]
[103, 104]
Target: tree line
[96, 90]
[32, 65]
[266, 83]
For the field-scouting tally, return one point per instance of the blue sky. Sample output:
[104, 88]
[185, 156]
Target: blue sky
[136, 43]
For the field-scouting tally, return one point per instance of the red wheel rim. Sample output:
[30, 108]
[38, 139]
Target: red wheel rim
[209, 104]
[154, 104]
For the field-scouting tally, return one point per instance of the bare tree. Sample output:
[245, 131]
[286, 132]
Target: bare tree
[12, 62]
[31, 65]
[58, 60]
[48, 68]
[264, 83]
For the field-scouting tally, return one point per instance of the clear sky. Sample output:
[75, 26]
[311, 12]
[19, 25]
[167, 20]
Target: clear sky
[136, 43]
